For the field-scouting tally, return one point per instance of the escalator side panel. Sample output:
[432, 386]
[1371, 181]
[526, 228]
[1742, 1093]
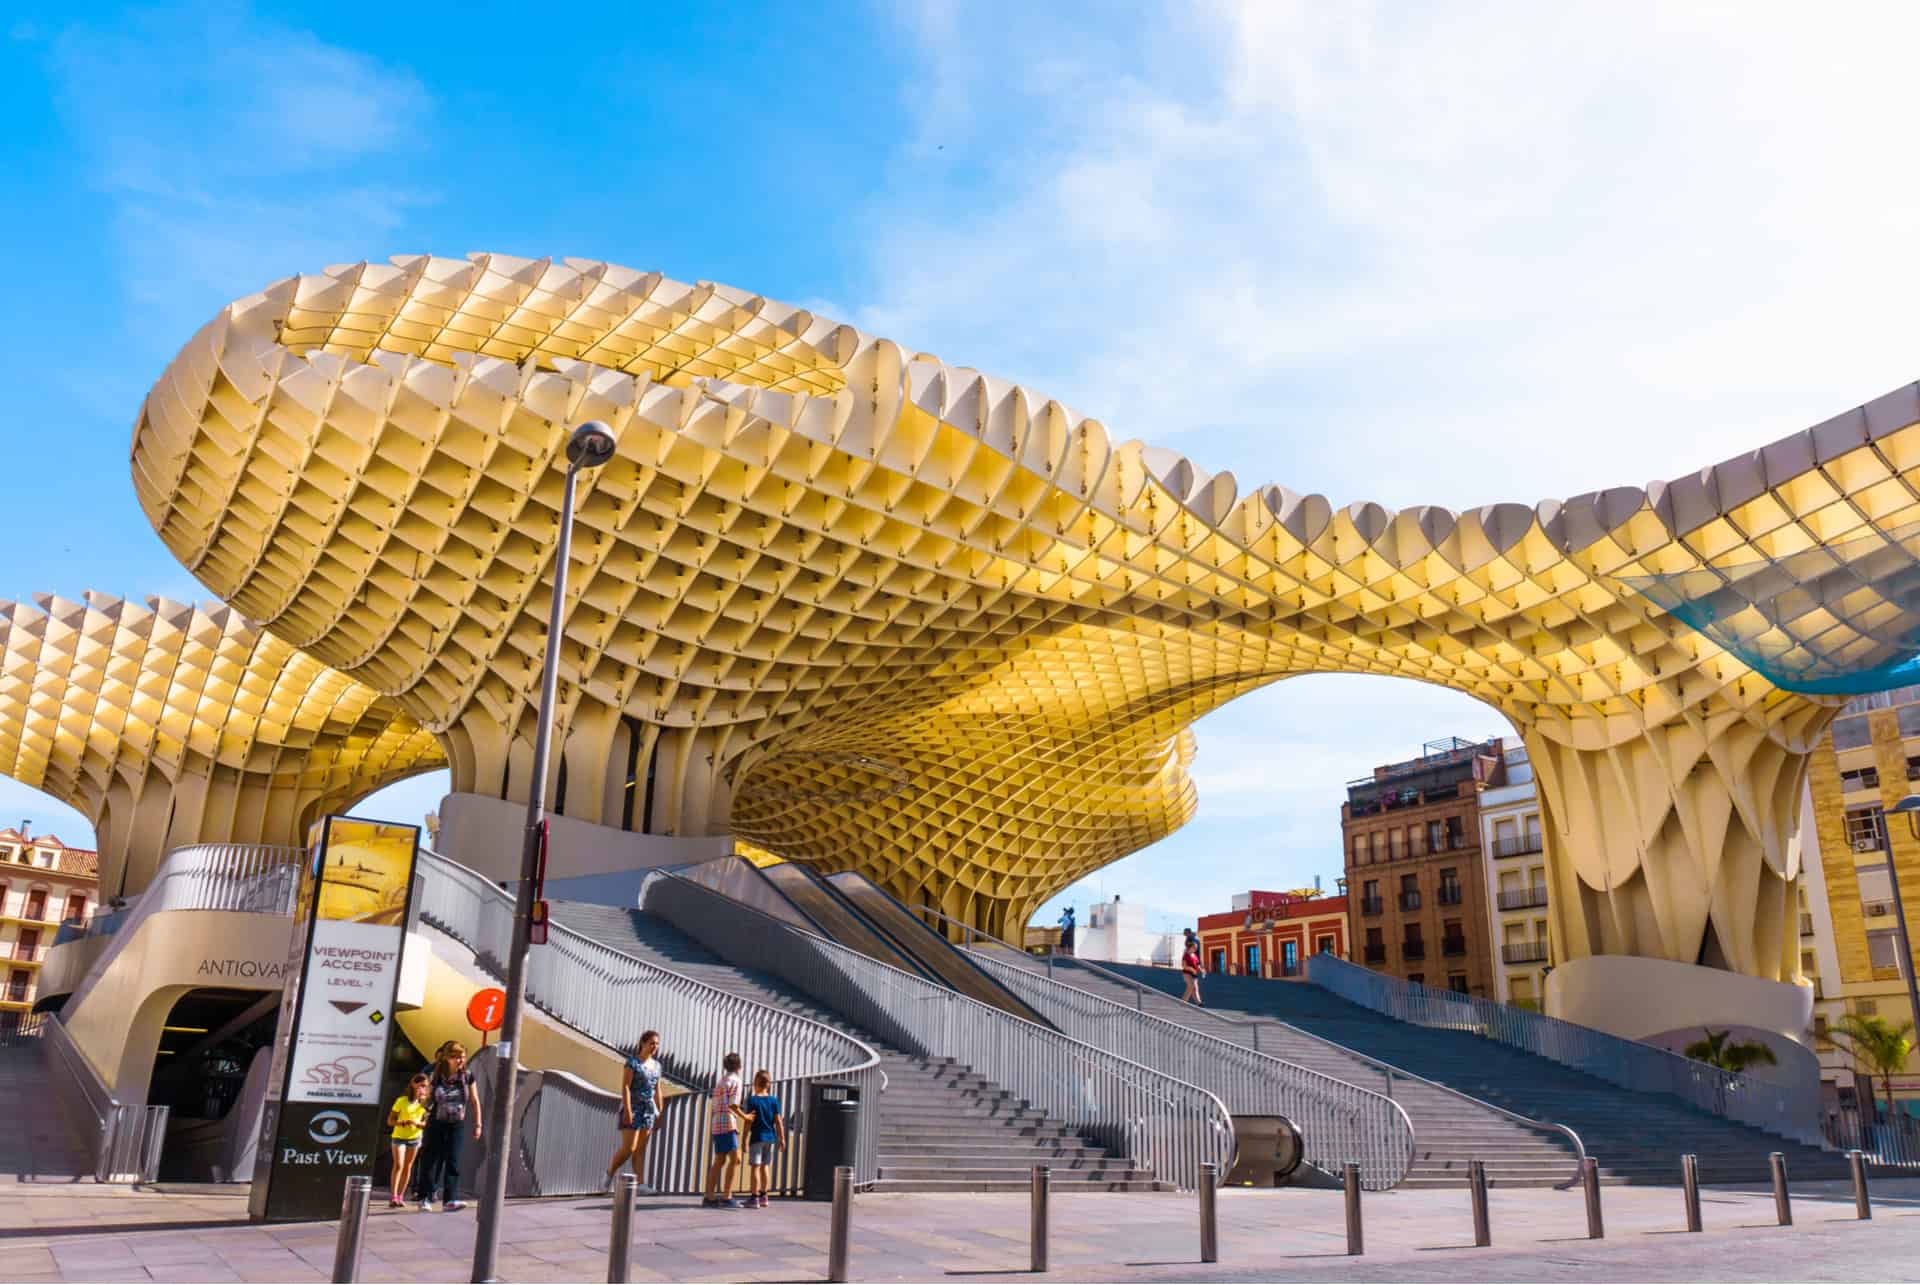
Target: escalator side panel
[939, 957]
[837, 918]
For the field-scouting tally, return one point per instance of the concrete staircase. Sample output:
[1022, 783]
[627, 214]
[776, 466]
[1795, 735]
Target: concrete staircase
[38, 1142]
[943, 1127]
[1637, 1137]
[1449, 1129]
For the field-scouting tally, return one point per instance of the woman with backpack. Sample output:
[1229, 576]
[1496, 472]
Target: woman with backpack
[453, 1114]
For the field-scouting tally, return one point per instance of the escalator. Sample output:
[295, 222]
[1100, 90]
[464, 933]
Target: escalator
[932, 951]
[853, 911]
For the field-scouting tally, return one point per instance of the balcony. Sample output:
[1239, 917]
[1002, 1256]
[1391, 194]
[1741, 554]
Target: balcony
[1409, 901]
[1451, 894]
[26, 954]
[1806, 925]
[1519, 845]
[1371, 905]
[1524, 952]
[1523, 898]
[1413, 950]
[1454, 946]
[1376, 952]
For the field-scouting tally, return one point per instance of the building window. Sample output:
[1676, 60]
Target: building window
[1418, 979]
[1436, 836]
[1865, 826]
[1370, 897]
[1220, 961]
[1866, 1007]
[1359, 849]
[1457, 983]
[1376, 946]
[1850, 733]
[18, 985]
[1450, 886]
[76, 905]
[1412, 944]
[1409, 892]
[36, 904]
[1324, 946]
[1913, 768]
[1908, 717]
[1453, 938]
[1396, 844]
[1253, 960]
[1289, 959]
[1882, 952]
[1860, 778]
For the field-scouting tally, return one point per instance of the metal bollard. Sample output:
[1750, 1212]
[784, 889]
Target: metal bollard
[1690, 1189]
[1782, 1202]
[1037, 1223]
[353, 1228]
[1590, 1183]
[1209, 1214]
[837, 1225]
[1862, 1204]
[620, 1243]
[1350, 1179]
[1477, 1185]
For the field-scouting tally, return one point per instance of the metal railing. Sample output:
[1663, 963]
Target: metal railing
[1409, 901]
[131, 1134]
[1777, 1108]
[256, 878]
[1389, 1073]
[1523, 952]
[611, 997]
[1523, 898]
[1338, 1122]
[1892, 1141]
[1371, 905]
[1153, 1118]
[1519, 845]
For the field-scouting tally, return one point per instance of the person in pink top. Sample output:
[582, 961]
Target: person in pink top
[723, 1110]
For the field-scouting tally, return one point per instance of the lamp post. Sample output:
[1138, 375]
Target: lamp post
[1911, 807]
[590, 446]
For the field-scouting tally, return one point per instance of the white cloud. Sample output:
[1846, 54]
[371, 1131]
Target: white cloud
[233, 150]
[1454, 255]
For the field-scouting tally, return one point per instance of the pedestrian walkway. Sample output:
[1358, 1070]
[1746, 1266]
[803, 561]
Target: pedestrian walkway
[200, 1235]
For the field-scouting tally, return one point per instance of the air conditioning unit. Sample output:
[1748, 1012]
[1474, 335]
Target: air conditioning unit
[1866, 845]
[1878, 909]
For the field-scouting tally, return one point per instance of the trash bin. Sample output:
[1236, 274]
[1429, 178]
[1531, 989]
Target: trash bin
[1269, 1150]
[831, 1131]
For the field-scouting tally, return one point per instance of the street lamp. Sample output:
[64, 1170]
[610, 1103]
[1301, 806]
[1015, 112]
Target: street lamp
[1911, 806]
[590, 446]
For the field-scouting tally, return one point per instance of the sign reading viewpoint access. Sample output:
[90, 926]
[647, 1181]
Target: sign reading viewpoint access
[336, 1021]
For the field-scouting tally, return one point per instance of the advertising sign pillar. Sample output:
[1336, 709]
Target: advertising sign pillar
[323, 1119]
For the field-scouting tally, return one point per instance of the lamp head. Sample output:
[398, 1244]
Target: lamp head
[590, 446]
[1911, 806]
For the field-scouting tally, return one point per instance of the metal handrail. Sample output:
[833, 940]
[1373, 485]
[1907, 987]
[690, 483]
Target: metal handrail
[131, 1134]
[1774, 1107]
[1388, 1070]
[1339, 1122]
[255, 878]
[1155, 1119]
[586, 985]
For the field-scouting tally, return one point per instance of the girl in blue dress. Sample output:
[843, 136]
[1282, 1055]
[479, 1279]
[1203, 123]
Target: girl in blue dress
[639, 1107]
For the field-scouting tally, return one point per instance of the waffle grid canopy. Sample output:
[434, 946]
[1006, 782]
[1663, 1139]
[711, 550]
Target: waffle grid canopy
[867, 609]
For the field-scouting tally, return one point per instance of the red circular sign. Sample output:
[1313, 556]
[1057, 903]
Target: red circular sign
[486, 1008]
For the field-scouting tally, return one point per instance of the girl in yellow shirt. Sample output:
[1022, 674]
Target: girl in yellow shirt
[407, 1118]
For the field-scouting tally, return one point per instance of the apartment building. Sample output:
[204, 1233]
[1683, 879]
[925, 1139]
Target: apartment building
[1516, 874]
[1868, 761]
[42, 882]
[1271, 934]
[1416, 883]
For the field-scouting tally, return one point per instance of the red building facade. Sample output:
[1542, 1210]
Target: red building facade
[1273, 933]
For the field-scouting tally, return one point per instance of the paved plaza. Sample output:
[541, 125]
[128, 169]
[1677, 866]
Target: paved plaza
[86, 1233]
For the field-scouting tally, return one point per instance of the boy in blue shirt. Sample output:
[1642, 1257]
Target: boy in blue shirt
[766, 1129]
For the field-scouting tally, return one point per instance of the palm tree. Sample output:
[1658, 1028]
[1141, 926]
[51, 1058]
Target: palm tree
[1734, 1058]
[1878, 1045]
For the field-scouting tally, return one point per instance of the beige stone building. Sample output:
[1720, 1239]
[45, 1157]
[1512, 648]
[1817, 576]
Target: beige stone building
[1867, 762]
[42, 882]
[1512, 838]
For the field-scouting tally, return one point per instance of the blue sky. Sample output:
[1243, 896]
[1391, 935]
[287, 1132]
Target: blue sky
[1400, 253]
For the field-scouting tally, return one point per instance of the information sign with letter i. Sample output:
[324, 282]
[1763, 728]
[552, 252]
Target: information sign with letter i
[324, 1116]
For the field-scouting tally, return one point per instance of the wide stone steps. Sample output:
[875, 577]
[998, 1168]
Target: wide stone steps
[943, 1126]
[1637, 1137]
